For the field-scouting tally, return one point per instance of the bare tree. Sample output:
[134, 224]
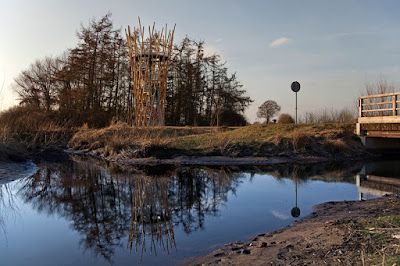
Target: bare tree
[91, 83]
[36, 85]
[267, 110]
[200, 89]
[325, 115]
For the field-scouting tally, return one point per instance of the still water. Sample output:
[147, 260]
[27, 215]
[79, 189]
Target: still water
[80, 212]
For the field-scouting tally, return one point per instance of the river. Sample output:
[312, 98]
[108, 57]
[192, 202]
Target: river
[80, 212]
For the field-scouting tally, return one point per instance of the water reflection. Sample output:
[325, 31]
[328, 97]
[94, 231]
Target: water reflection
[378, 179]
[138, 209]
[151, 214]
[8, 207]
[296, 210]
[105, 204]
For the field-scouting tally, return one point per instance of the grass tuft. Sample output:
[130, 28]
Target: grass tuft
[379, 237]
[124, 141]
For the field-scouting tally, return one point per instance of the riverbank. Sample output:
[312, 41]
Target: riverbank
[255, 144]
[337, 233]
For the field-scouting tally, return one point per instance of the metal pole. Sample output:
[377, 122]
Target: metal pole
[296, 107]
[296, 190]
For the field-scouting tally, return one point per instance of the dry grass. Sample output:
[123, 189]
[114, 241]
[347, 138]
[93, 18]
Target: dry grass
[379, 238]
[37, 130]
[122, 141]
[24, 130]
[273, 139]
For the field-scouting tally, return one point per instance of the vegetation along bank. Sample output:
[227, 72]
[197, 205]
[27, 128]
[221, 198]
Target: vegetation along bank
[286, 142]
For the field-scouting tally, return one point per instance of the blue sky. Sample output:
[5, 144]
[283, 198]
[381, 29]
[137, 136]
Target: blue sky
[331, 47]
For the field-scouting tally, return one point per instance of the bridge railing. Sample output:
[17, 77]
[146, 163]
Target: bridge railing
[378, 105]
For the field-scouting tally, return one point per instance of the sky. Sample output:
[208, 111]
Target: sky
[332, 48]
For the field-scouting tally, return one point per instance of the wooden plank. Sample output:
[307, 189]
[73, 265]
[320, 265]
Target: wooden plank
[383, 134]
[379, 95]
[379, 119]
[384, 180]
[366, 104]
[373, 192]
[377, 110]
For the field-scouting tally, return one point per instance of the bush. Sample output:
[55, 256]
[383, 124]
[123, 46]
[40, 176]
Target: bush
[285, 119]
[232, 118]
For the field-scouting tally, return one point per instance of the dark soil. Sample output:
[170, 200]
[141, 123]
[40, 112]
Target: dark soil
[13, 152]
[325, 237]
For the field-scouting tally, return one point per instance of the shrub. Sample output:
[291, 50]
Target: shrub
[232, 118]
[285, 119]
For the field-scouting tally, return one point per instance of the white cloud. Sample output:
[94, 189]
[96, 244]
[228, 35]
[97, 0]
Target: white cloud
[280, 215]
[352, 34]
[279, 42]
[210, 50]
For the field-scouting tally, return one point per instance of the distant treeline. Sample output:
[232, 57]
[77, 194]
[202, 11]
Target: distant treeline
[91, 83]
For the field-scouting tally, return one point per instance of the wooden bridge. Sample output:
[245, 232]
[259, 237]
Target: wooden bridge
[378, 178]
[379, 121]
[376, 185]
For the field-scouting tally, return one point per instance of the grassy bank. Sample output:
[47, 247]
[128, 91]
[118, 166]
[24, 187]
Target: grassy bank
[121, 141]
[26, 132]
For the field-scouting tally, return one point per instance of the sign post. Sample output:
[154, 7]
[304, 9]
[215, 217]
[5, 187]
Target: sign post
[296, 87]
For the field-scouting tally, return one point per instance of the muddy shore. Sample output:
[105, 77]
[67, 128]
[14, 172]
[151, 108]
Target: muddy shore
[324, 237]
[214, 160]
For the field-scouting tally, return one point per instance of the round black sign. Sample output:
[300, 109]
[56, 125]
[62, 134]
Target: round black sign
[295, 86]
[295, 212]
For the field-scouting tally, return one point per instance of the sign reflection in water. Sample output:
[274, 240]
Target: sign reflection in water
[152, 211]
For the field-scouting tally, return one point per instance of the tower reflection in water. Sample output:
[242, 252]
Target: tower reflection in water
[107, 204]
[137, 209]
[151, 215]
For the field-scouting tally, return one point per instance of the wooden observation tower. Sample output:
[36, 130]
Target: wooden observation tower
[149, 59]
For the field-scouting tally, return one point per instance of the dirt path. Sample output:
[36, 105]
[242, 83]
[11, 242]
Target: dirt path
[322, 238]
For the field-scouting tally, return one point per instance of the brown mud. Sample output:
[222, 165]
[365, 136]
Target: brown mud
[215, 160]
[323, 238]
